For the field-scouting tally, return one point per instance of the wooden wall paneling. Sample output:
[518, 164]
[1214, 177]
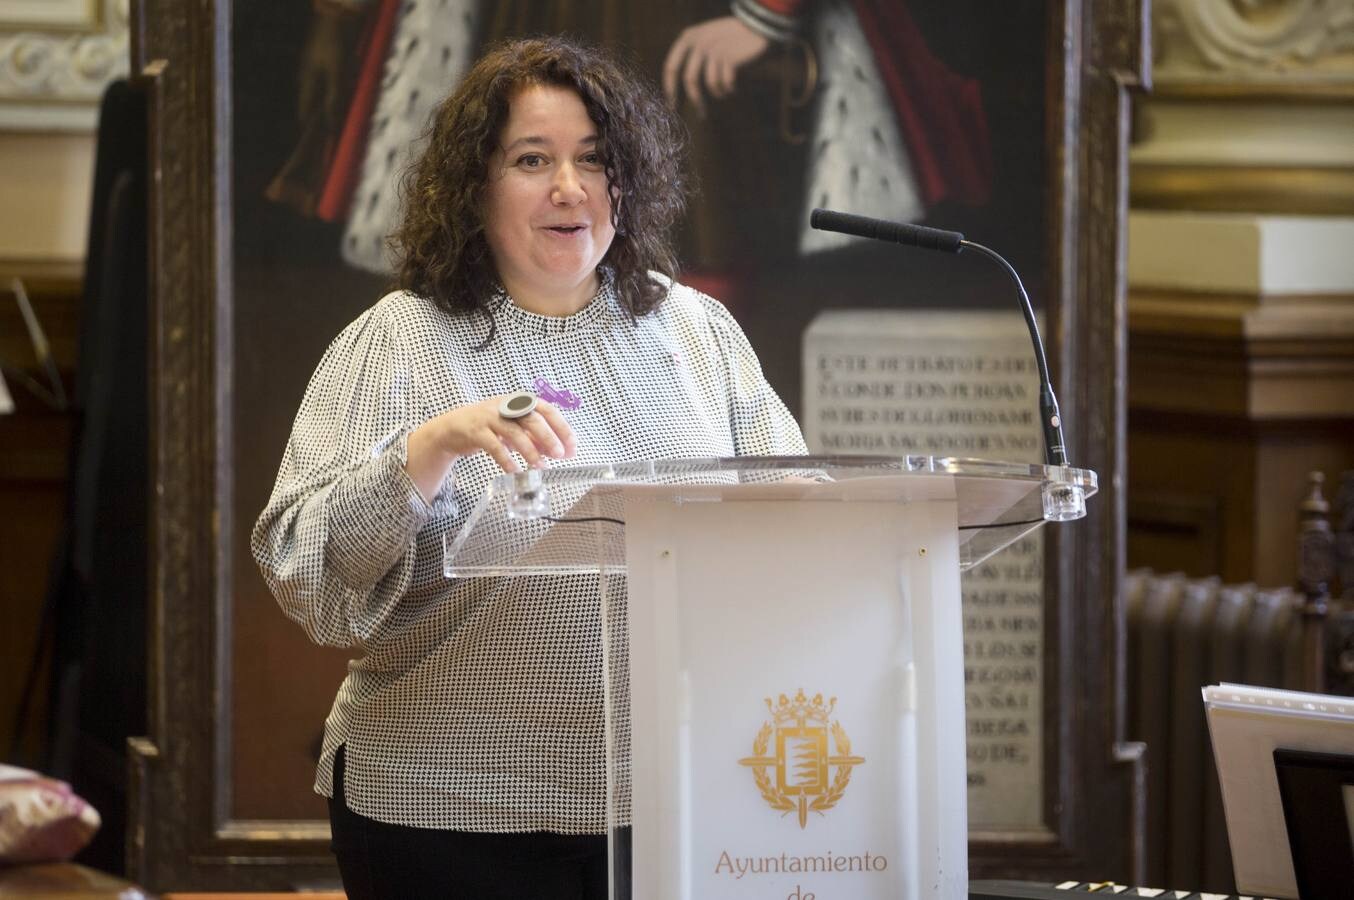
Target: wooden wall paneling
[1178, 476]
[34, 450]
[1181, 528]
[1284, 458]
[1233, 401]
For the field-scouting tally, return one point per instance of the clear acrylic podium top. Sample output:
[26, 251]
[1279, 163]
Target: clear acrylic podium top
[571, 519]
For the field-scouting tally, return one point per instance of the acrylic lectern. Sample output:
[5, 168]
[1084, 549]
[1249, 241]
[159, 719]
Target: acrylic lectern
[783, 658]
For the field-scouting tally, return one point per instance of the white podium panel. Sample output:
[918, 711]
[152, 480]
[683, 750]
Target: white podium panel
[791, 675]
[784, 671]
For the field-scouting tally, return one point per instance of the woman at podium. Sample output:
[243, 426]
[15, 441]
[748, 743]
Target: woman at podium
[538, 321]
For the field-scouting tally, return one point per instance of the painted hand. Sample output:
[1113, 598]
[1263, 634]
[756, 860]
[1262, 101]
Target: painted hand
[705, 59]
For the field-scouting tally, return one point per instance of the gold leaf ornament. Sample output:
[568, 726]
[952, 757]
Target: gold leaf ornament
[797, 714]
[770, 793]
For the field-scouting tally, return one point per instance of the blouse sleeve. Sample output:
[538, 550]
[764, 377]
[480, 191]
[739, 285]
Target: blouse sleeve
[336, 542]
[778, 20]
[762, 425]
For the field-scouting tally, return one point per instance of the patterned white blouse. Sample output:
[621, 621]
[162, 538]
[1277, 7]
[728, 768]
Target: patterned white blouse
[476, 704]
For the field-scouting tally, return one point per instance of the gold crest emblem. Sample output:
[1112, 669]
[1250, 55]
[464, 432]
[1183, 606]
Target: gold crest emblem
[803, 761]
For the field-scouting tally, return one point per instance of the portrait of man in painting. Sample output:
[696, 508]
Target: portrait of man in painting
[929, 113]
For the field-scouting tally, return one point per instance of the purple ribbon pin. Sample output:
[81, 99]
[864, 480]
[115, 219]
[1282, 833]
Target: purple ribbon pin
[562, 399]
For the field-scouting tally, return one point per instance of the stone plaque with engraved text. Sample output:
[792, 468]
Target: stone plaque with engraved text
[958, 384]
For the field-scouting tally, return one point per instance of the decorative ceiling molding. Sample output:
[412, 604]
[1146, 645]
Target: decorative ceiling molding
[56, 58]
[1302, 42]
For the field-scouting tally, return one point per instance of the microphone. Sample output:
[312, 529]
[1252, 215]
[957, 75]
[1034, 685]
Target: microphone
[1064, 502]
[882, 230]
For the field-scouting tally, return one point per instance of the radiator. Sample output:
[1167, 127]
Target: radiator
[1184, 633]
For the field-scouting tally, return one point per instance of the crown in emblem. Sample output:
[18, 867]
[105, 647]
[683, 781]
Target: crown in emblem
[801, 708]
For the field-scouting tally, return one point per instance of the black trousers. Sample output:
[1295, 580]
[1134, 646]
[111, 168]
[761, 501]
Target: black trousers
[379, 860]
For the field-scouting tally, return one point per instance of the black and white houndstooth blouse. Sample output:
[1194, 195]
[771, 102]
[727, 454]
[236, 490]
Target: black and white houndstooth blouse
[476, 704]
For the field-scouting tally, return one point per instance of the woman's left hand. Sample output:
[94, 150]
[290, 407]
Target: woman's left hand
[442, 440]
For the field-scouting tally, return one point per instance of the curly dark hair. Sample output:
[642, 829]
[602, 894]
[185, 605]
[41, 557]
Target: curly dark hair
[440, 241]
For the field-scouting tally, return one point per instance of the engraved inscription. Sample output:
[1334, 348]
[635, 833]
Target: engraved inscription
[954, 384]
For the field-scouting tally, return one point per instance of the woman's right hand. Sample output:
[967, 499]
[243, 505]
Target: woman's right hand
[442, 440]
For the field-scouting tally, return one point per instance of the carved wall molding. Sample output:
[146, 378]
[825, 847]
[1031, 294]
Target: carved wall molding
[54, 65]
[1251, 108]
[1265, 41]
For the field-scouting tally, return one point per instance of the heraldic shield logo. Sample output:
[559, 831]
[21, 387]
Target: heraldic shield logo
[801, 759]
